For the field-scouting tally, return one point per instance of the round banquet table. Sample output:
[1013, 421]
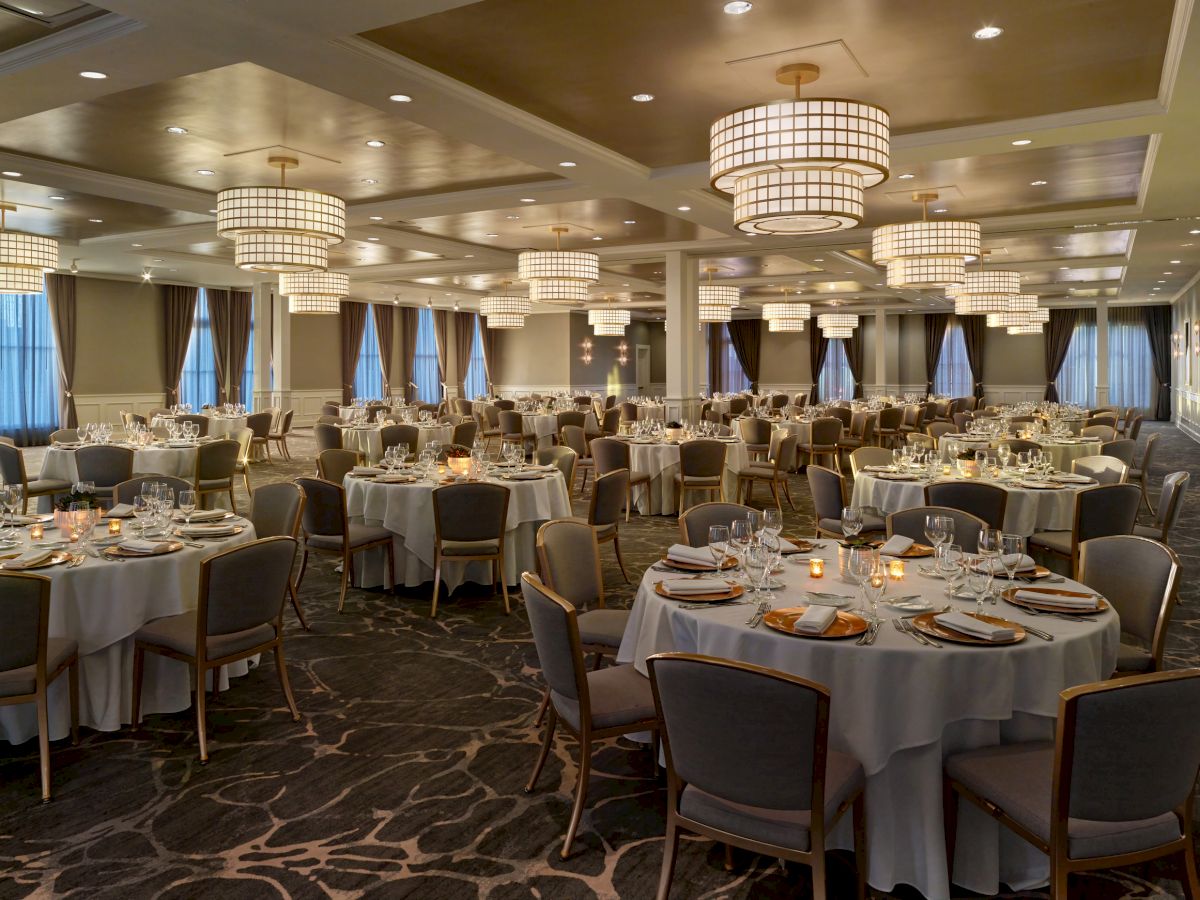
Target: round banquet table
[652, 411]
[100, 605]
[660, 460]
[542, 426]
[1060, 453]
[226, 426]
[1029, 509]
[59, 464]
[406, 510]
[900, 708]
[367, 440]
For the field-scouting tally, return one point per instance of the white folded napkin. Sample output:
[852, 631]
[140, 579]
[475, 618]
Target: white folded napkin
[879, 468]
[695, 586]
[214, 530]
[527, 476]
[138, 545]
[201, 515]
[815, 620]
[961, 622]
[1071, 478]
[26, 520]
[996, 566]
[895, 545]
[393, 479]
[366, 470]
[1049, 599]
[121, 511]
[786, 547]
[29, 558]
[697, 555]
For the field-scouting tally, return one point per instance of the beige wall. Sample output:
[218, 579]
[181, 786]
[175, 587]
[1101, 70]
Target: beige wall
[1015, 359]
[316, 354]
[783, 358]
[119, 347]
[537, 354]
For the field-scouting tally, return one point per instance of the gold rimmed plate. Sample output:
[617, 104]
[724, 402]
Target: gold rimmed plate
[728, 563]
[1010, 596]
[846, 625]
[162, 549]
[926, 624]
[734, 591]
[223, 532]
[58, 556]
[1036, 572]
[916, 551]
[802, 545]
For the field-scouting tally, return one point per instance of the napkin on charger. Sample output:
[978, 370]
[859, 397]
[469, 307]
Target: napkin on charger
[215, 529]
[1057, 600]
[896, 545]
[700, 556]
[996, 565]
[29, 558]
[961, 622]
[201, 515]
[366, 470]
[683, 586]
[815, 620]
[138, 545]
[121, 511]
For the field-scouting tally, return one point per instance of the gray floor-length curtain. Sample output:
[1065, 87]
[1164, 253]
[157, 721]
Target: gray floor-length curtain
[441, 327]
[1059, 331]
[353, 320]
[935, 336]
[464, 337]
[60, 296]
[180, 303]
[218, 321]
[716, 370]
[1158, 330]
[818, 347]
[853, 346]
[385, 333]
[241, 305]
[974, 330]
[489, 354]
[409, 317]
[746, 337]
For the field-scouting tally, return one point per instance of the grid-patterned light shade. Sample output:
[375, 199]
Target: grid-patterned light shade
[559, 291]
[715, 312]
[798, 201]
[273, 251]
[1034, 328]
[1041, 315]
[925, 272]
[907, 240]
[317, 284]
[1023, 303]
[242, 210]
[575, 265]
[785, 325]
[302, 305]
[505, 304]
[608, 330]
[505, 320]
[772, 311]
[837, 320]
[837, 332]
[981, 304]
[719, 295]
[23, 260]
[1007, 319]
[987, 282]
[608, 315]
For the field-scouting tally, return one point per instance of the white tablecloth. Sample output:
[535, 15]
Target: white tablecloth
[1061, 455]
[900, 708]
[407, 511]
[59, 464]
[100, 605]
[1028, 510]
[368, 442]
[661, 462]
[652, 411]
[225, 426]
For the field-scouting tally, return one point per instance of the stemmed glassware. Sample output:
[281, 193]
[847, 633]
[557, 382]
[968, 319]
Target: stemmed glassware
[718, 543]
[143, 509]
[757, 564]
[772, 521]
[740, 536]
[851, 521]
[11, 496]
[187, 505]
[861, 562]
[1013, 548]
[991, 545]
[874, 586]
[979, 579]
[935, 530]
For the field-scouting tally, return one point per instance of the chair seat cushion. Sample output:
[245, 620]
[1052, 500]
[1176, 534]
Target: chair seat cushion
[602, 531]
[603, 626]
[1059, 541]
[470, 548]
[17, 682]
[46, 485]
[1131, 658]
[782, 827]
[620, 696]
[1149, 531]
[178, 633]
[213, 484]
[758, 448]
[1019, 779]
[699, 480]
[757, 470]
[358, 535]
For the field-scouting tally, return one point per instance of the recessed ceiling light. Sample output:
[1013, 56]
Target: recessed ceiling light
[1194, 231]
[738, 7]
[987, 32]
[1162, 281]
[156, 260]
[370, 181]
[11, 174]
[1176, 262]
[57, 197]
[97, 221]
[136, 245]
[907, 175]
[491, 234]
[469, 256]
[1022, 142]
[1059, 247]
[597, 238]
[940, 209]
[1037, 183]
[1168, 273]
[642, 98]
[625, 284]
[213, 211]
[375, 143]
[566, 164]
[94, 75]
[175, 129]
[372, 239]
[631, 221]
[528, 200]
[205, 172]
[815, 259]
[511, 218]
[684, 208]
[400, 98]
[1060, 268]
[376, 218]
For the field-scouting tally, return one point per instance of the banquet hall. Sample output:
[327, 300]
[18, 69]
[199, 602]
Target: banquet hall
[498, 449]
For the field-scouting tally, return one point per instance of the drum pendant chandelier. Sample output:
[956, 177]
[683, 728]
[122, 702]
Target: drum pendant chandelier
[281, 229]
[837, 325]
[314, 293]
[987, 291]
[608, 320]
[925, 254]
[799, 166]
[784, 316]
[1019, 309]
[558, 276]
[717, 300]
[24, 258]
[505, 310]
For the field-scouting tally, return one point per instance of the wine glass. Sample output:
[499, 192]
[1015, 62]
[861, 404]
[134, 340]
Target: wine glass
[754, 560]
[874, 587]
[143, 508]
[1013, 546]
[979, 580]
[187, 505]
[851, 521]
[949, 566]
[772, 521]
[859, 565]
[718, 543]
[935, 531]
[755, 518]
[1004, 452]
[740, 535]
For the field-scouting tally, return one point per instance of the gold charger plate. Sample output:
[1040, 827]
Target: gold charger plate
[728, 563]
[234, 529]
[916, 551]
[1036, 572]
[1040, 485]
[1010, 596]
[803, 545]
[925, 624]
[58, 556]
[163, 548]
[735, 591]
[846, 625]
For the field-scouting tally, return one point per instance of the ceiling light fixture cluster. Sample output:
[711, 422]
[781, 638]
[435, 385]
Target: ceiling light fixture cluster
[608, 320]
[24, 258]
[925, 254]
[314, 293]
[785, 316]
[986, 291]
[558, 276]
[504, 310]
[716, 301]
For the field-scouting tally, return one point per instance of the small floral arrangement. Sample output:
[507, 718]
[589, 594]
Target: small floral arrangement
[673, 424]
[456, 453]
[63, 502]
[968, 455]
[857, 541]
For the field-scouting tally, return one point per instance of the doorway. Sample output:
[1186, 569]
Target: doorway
[641, 368]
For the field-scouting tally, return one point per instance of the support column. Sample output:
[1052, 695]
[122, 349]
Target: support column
[1102, 351]
[881, 374]
[685, 342]
[272, 342]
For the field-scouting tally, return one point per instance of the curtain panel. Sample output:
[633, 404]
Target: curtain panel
[974, 332]
[385, 334]
[1059, 330]
[180, 303]
[408, 347]
[853, 346]
[352, 317]
[935, 336]
[241, 304]
[746, 337]
[441, 328]
[464, 338]
[489, 354]
[818, 347]
[60, 296]
[218, 319]
[716, 383]
[1158, 330]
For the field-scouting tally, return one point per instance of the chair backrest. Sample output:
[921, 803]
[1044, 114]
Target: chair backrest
[329, 436]
[1109, 419]
[827, 492]
[985, 501]
[326, 420]
[961, 419]
[800, 399]
[132, 487]
[105, 464]
[276, 508]
[911, 524]
[779, 401]
[245, 586]
[755, 431]
[1148, 455]
[1139, 577]
[511, 422]
[629, 412]
[782, 453]
[1015, 420]
[574, 437]
[609, 455]
[1105, 469]
[562, 457]
[569, 562]
[12, 465]
[1104, 432]
[331, 409]
[24, 619]
[1127, 749]
[696, 520]
[506, 405]
[1105, 509]
[1018, 445]
[891, 418]
[260, 424]
[843, 414]
[129, 419]
[463, 406]
[472, 511]
[612, 420]
[450, 419]
[869, 456]
[335, 465]
[464, 433]
[556, 637]
[701, 459]
[936, 429]
[397, 435]
[5, 439]
[216, 460]
[67, 435]
[491, 413]
[713, 709]
[324, 507]
[917, 439]
[571, 417]
[738, 405]
[608, 496]
[286, 427]
[434, 408]
[1136, 428]
[1122, 449]
[1170, 501]
[825, 431]
[868, 428]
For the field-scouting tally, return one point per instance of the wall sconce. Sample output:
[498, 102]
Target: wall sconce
[586, 344]
[1176, 344]
[622, 353]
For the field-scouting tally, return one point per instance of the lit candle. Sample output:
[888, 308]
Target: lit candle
[896, 569]
[36, 531]
[114, 526]
[816, 568]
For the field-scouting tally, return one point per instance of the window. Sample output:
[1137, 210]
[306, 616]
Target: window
[28, 369]
[952, 377]
[1130, 366]
[368, 376]
[733, 376]
[426, 374]
[1077, 380]
[475, 384]
[247, 396]
[836, 381]
[198, 383]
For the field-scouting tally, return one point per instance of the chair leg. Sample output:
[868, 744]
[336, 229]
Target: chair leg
[73, 690]
[43, 717]
[391, 567]
[859, 812]
[437, 582]
[787, 492]
[818, 872]
[1060, 883]
[303, 566]
[547, 741]
[246, 480]
[616, 542]
[347, 565]
[201, 694]
[775, 494]
[950, 824]
[542, 709]
[296, 606]
[670, 849]
[628, 500]
[585, 771]
[232, 501]
[284, 683]
[139, 663]
[503, 585]
[1191, 884]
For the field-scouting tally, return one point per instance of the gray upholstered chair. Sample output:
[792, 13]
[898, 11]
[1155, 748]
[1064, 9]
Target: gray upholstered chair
[64, 436]
[936, 429]
[629, 412]
[757, 435]
[781, 456]
[869, 456]
[489, 423]
[335, 465]
[327, 530]
[200, 422]
[105, 466]
[1105, 418]
[779, 401]
[132, 487]
[911, 524]
[695, 522]
[604, 511]
[1126, 420]
[591, 706]
[1104, 432]
[611, 423]
[843, 414]
[1140, 578]
[1140, 472]
[280, 437]
[275, 511]
[1135, 427]
[784, 805]
[1099, 511]
[129, 419]
[888, 425]
[984, 501]
[331, 409]
[7, 441]
[573, 436]
[610, 455]
[862, 434]
[463, 406]
[828, 497]
[31, 660]
[260, 428]
[701, 468]
[464, 433]
[469, 521]
[1105, 469]
[239, 614]
[571, 417]
[1020, 445]
[450, 419]
[505, 405]
[512, 428]
[328, 436]
[822, 440]
[918, 439]
[216, 464]
[400, 436]
[961, 420]
[1113, 788]
[561, 457]
[1123, 449]
[1170, 506]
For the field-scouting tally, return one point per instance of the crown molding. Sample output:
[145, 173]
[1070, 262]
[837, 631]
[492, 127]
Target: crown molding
[95, 31]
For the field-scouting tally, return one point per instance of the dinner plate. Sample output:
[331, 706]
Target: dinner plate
[729, 563]
[735, 591]
[846, 625]
[1039, 485]
[916, 551]
[163, 548]
[1010, 596]
[1036, 572]
[222, 531]
[58, 556]
[802, 545]
[925, 624]
[912, 606]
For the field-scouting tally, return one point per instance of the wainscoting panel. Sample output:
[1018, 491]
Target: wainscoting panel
[107, 407]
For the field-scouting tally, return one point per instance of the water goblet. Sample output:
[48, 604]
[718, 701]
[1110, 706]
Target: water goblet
[718, 543]
[740, 536]
[1013, 549]
[979, 579]
[851, 521]
[187, 505]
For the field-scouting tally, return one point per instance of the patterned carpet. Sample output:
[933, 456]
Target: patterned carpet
[404, 777]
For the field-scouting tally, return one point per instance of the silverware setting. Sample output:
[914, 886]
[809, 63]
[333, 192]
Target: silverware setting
[904, 626]
[1038, 633]
[714, 605]
[1053, 615]
[868, 637]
